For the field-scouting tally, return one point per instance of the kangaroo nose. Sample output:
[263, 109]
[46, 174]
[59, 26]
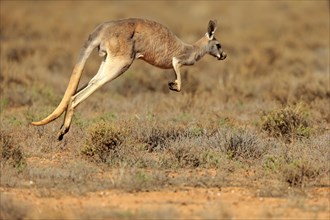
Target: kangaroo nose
[223, 56]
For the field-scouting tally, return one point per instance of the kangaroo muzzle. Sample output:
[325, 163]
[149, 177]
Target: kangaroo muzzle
[222, 56]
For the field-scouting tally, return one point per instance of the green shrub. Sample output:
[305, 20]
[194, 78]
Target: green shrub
[289, 123]
[103, 141]
[273, 163]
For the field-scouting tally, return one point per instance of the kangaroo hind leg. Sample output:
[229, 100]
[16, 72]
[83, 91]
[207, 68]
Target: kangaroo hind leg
[109, 70]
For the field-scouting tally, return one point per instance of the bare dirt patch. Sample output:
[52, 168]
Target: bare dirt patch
[182, 203]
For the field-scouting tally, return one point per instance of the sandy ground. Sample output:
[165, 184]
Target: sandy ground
[185, 203]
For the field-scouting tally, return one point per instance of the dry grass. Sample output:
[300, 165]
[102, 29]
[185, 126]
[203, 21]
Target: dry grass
[11, 152]
[264, 110]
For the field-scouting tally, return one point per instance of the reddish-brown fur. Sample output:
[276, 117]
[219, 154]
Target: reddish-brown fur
[120, 42]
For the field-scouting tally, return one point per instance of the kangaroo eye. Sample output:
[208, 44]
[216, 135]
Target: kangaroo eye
[218, 46]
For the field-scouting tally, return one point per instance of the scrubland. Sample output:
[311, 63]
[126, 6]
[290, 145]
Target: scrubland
[248, 137]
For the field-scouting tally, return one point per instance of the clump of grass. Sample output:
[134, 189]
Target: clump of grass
[273, 163]
[239, 144]
[158, 139]
[103, 141]
[304, 163]
[11, 152]
[187, 155]
[242, 145]
[299, 172]
[289, 123]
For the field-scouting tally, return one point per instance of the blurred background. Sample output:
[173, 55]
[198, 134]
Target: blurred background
[278, 51]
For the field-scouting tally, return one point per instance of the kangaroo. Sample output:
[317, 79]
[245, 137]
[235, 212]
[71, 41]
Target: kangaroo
[119, 43]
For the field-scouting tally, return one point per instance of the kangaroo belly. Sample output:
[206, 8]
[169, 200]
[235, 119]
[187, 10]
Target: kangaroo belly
[160, 62]
[154, 52]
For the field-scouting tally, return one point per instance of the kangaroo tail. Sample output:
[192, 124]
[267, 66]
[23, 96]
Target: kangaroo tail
[87, 49]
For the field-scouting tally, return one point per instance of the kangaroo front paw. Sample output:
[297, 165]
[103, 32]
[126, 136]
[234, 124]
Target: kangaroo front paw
[174, 86]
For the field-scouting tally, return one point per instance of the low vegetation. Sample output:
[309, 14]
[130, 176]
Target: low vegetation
[11, 152]
[290, 123]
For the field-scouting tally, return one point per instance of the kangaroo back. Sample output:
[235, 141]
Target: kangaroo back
[92, 42]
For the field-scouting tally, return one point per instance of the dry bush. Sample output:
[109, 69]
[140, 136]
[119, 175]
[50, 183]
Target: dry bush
[307, 163]
[151, 146]
[197, 148]
[11, 152]
[187, 154]
[239, 144]
[159, 137]
[294, 170]
[301, 172]
[103, 142]
[299, 164]
[289, 123]
[177, 146]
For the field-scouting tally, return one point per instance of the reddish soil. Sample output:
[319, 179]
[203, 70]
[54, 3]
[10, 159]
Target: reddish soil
[187, 203]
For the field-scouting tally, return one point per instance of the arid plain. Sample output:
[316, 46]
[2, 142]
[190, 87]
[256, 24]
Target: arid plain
[247, 137]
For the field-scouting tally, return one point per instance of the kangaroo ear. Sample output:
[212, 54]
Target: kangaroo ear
[211, 29]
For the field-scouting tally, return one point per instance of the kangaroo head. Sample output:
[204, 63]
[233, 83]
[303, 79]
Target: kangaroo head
[214, 46]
